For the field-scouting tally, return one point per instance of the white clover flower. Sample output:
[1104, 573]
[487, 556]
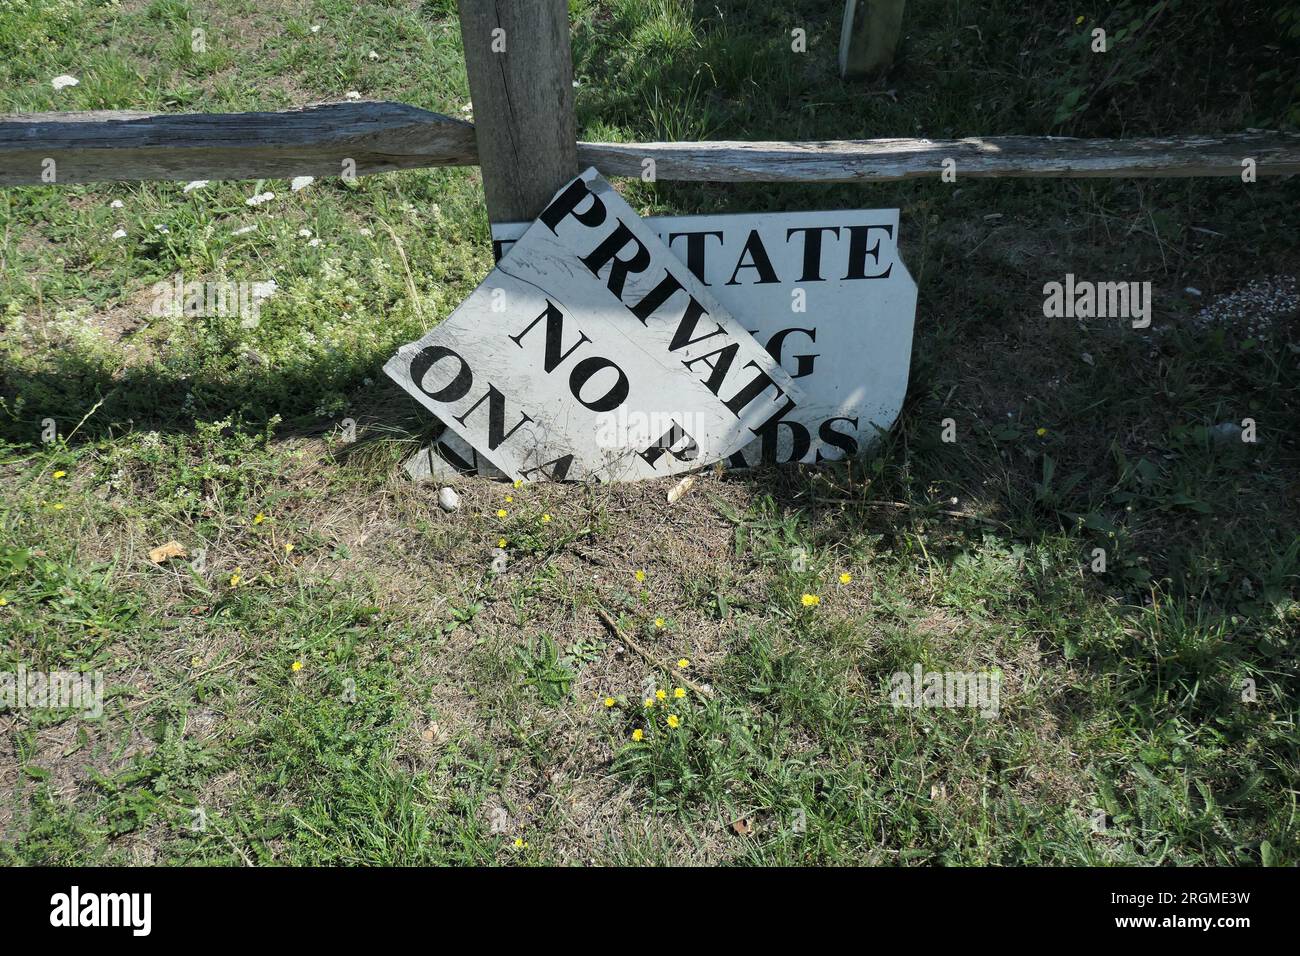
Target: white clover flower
[63, 80]
[301, 182]
[115, 204]
[304, 233]
[196, 184]
[314, 243]
[315, 28]
[120, 234]
[259, 199]
[243, 230]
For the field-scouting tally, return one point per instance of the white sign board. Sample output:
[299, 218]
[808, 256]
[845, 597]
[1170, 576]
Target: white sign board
[827, 295]
[592, 353]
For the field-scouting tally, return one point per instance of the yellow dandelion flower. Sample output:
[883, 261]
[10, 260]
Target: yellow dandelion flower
[521, 843]
[501, 512]
[640, 575]
[683, 663]
[297, 666]
[519, 483]
[846, 578]
[609, 701]
[659, 623]
[546, 519]
[679, 693]
[649, 701]
[501, 542]
[59, 506]
[235, 579]
[638, 735]
[661, 695]
[672, 720]
[1041, 432]
[60, 474]
[810, 600]
[510, 499]
[195, 661]
[4, 602]
[259, 518]
[288, 548]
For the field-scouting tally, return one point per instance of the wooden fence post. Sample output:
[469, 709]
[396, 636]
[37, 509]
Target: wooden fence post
[520, 70]
[869, 36]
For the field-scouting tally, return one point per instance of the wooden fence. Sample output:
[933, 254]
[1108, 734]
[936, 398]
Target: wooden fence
[520, 69]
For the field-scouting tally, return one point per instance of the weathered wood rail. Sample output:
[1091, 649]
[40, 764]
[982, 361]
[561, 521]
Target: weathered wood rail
[379, 137]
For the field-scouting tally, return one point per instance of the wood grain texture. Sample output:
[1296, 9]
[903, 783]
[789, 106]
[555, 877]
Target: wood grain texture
[311, 141]
[122, 147]
[879, 160]
[523, 101]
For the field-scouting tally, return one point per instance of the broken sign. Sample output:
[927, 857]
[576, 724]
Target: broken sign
[828, 296]
[592, 353]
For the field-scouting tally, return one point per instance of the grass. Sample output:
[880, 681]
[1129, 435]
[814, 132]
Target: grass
[446, 714]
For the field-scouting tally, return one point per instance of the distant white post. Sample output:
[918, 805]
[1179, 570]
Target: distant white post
[869, 36]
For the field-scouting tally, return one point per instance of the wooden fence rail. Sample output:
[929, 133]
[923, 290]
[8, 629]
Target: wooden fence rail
[379, 137]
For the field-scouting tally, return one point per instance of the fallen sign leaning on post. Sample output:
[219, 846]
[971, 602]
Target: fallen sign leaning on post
[826, 293]
[592, 353]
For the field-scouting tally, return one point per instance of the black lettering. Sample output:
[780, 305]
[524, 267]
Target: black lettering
[858, 252]
[566, 204]
[761, 383]
[812, 249]
[454, 390]
[607, 252]
[582, 373]
[777, 340]
[496, 417]
[668, 287]
[551, 356]
[719, 369]
[559, 468]
[758, 261]
[838, 439]
[770, 436]
[667, 443]
[695, 248]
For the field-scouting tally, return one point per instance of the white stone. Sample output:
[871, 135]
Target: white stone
[448, 500]
[63, 81]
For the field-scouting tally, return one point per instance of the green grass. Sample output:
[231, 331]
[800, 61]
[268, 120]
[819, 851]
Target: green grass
[446, 714]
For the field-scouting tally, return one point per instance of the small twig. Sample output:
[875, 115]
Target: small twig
[650, 658]
[406, 266]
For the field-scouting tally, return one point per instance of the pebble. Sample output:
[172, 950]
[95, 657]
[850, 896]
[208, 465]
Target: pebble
[448, 500]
